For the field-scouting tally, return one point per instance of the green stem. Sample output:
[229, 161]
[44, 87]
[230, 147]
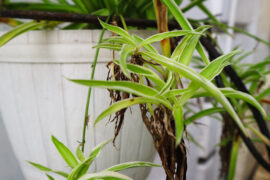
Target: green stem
[191, 5]
[233, 160]
[123, 22]
[90, 89]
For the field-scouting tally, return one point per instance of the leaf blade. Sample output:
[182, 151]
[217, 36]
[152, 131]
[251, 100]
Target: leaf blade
[66, 154]
[202, 81]
[124, 104]
[105, 175]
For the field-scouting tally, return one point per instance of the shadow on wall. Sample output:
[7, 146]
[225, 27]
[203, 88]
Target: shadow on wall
[9, 168]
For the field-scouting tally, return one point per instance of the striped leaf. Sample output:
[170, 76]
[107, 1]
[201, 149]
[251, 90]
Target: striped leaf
[105, 175]
[65, 153]
[115, 47]
[203, 113]
[216, 66]
[134, 164]
[46, 169]
[179, 122]
[188, 51]
[119, 31]
[229, 92]
[19, 30]
[147, 47]
[200, 80]
[83, 167]
[80, 154]
[165, 35]
[126, 86]
[124, 104]
[184, 23]
[125, 52]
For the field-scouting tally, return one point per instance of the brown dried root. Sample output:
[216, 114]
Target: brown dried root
[116, 74]
[160, 125]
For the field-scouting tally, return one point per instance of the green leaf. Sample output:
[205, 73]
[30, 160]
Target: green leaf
[126, 86]
[75, 26]
[96, 150]
[80, 154]
[65, 153]
[176, 92]
[49, 177]
[179, 48]
[209, 72]
[233, 159]
[128, 165]
[114, 39]
[166, 35]
[125, 52]
[191, 5]
[179, 125]
[243, 56]
[200, 80]
[224, 141]
[105, 175]
[146, 72]
[216, 66]
[184, 23]
[101, 12]
[64, 2]
[115, 47]
[194, 141]
[203, 113]
[124, 104]
[229, 92]
[260, 65]
[81, 5]
[186, 55]
[147, 47]
[168, 84]
[19, 30]
[212, 17]
[83, 167]
[119, 31]
[263, 94]
[262, 137]
[46, 169]
[179, 16]
[40, 167]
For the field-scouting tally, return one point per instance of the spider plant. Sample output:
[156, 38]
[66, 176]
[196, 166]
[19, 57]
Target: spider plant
[159, 88]
[81, 163]
[162, 89]
[154, 81]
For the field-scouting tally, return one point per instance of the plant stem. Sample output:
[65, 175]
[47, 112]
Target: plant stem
[123, 22]
[162, 23]
[233, 160]
[86, 118]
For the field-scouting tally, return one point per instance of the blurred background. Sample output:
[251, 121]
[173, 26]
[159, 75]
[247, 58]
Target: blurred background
[249, 15]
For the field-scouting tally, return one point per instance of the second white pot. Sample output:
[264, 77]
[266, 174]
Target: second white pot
[36, 101]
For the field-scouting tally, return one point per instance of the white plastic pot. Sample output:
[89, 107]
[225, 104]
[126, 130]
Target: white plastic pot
[36, 101]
